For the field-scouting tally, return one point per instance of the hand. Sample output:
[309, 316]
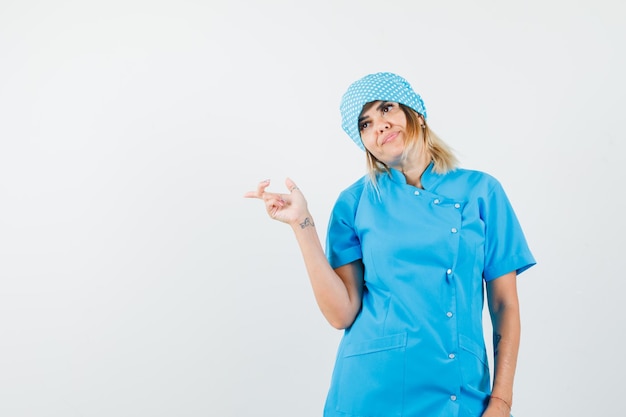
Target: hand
[288, 208]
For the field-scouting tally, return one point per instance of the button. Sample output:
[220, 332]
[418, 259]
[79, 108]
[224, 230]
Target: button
[449, 271]
[453, 230]
[449, 314]
[453, 397]
[416, 193]
[436, 201]
[457, 205]
[452, 356]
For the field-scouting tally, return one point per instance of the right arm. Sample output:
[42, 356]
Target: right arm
[338, 292]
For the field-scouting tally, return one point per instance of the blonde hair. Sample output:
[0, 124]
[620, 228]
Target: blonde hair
[440, 153]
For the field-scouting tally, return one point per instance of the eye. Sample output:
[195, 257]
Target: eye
[387, 107]
[364, 125]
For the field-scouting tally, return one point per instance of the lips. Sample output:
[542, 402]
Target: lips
[389, 137]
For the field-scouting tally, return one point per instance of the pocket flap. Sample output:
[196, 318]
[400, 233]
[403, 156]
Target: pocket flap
[393, 341]
[471, 346]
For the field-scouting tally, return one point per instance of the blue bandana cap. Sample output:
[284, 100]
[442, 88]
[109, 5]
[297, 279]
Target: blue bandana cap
[382, 86]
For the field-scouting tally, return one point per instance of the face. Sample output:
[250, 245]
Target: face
[383, 131]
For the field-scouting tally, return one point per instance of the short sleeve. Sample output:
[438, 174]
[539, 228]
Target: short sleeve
[506, 249]
[342, 243]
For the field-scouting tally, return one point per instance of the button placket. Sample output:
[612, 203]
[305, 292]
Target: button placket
[454, 223]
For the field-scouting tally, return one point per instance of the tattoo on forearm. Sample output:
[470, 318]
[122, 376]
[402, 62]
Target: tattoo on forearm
[496, 341]
[307, 222]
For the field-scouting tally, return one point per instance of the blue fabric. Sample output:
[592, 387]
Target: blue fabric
[416, 347]
[383, 86]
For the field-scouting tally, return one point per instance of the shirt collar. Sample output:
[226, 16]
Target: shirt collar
[428, 177]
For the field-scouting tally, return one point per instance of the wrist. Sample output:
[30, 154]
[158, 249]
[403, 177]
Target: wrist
[508, 403]
[303, 222]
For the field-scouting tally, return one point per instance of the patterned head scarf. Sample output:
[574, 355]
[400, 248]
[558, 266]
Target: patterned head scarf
[382, 86]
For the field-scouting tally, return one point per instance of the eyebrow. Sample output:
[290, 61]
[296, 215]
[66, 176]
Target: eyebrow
[378, 108]
[382, 104]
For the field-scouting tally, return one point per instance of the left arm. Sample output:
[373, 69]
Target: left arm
[505, 317]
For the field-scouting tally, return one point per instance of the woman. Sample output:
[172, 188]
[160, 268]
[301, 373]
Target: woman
[409, 247]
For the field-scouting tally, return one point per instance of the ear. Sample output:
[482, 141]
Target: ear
[422, 121]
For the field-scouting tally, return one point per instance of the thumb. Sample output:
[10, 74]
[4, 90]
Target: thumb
[291, 186]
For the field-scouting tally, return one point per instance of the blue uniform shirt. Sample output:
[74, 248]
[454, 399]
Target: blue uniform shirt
[416, 348]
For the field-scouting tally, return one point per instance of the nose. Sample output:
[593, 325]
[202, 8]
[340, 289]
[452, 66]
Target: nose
[381, 124]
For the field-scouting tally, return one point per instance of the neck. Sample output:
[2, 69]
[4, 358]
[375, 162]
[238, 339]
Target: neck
[414, 168]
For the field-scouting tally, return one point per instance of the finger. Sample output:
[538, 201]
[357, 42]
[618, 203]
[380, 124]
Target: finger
[272, 205]
[277, 200]
[262, 186]
[259, 191]
[291, 186]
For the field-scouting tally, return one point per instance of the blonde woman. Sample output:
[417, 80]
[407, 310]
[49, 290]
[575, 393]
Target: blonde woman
[409, 249]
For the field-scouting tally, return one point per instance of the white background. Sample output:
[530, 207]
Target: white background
[136, 281]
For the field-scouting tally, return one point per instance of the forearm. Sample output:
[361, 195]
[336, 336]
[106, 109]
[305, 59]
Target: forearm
[506, 334]
[334, 299]
[338, 292]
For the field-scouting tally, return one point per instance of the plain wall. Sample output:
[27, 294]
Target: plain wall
[136, 281]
